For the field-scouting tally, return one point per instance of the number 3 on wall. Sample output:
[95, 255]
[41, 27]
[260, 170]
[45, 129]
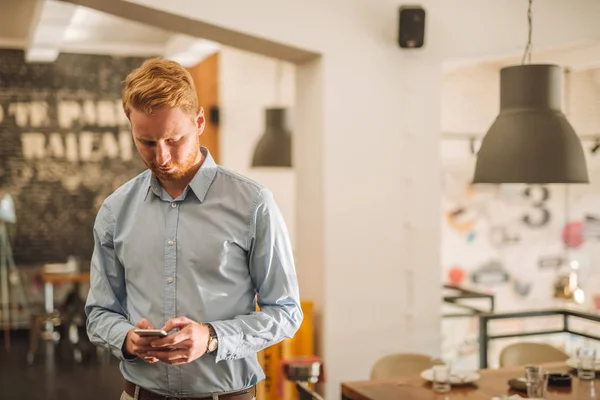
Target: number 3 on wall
[539, 195]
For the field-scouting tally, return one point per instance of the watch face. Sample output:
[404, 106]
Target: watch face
[212, 345]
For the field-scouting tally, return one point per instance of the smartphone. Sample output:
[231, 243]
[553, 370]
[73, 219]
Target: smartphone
[151, 332]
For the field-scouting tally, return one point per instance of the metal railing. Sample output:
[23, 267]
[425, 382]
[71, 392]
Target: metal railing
[467, 294]
[485, 318]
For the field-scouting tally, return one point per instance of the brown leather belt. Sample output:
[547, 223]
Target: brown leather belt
[143, 394]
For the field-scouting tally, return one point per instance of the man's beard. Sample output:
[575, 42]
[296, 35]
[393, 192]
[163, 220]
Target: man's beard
[181, 168]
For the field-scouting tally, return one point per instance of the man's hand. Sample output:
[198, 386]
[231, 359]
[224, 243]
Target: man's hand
[185, 346]
[139, 346]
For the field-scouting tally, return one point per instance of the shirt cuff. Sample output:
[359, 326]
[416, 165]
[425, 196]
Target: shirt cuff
[118, 335]
[229, 340]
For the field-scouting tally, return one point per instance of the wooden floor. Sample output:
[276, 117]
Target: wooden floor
[54, 374]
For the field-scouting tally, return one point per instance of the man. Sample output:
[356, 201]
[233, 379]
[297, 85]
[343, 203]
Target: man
[188, 247]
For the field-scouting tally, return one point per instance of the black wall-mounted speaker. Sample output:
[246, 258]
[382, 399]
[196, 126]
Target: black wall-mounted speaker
[214, 114]
[411, 27]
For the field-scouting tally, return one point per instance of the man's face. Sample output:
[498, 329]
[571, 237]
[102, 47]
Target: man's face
[168, 141]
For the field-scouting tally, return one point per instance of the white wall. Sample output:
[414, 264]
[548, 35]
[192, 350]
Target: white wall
[248, 83]
[379, 145]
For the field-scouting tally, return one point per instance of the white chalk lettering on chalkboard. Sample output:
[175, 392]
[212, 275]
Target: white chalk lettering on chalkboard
[83, 146]
[91, 113]
[69, 114]
[30, 114]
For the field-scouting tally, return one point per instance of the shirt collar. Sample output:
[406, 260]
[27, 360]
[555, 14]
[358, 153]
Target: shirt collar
[199, 184]
[205, 176]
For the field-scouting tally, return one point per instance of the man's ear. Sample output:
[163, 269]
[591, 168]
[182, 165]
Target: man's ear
[200, 120]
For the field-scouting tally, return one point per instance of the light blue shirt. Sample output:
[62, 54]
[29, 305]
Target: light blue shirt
[208, 255]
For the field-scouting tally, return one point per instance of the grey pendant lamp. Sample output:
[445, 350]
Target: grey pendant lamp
[531, 140]
[274, 148]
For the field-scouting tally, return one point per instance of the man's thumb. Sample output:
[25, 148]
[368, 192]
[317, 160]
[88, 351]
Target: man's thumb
[144, 324]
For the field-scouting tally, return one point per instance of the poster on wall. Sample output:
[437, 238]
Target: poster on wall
[65, 145]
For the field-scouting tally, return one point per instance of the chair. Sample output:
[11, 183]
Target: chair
[530, 353]
[37, 321]
[400, 364]
[69, 318]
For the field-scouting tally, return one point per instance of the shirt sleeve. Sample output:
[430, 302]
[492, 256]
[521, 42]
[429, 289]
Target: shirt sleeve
[107, 320]
[272, 269]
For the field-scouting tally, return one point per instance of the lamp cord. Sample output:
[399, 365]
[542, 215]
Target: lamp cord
[527, 53]
[278, 75]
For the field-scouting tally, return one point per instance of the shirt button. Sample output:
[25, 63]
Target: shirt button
[173, 205]
[170, 279]
[171, 242]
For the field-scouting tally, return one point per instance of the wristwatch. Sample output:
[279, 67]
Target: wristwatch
[213, 340]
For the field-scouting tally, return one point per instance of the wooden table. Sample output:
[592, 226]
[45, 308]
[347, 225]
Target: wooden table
[50, 279]
[493, 382]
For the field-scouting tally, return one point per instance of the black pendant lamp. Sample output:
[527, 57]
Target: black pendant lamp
[531, 140]
[274, 149]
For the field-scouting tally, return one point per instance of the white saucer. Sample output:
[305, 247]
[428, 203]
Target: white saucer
[457, 378]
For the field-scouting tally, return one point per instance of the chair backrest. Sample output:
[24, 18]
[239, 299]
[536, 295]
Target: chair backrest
[530, 353]
[400, 364]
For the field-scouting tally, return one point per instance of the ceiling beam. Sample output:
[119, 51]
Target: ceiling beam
[49, 30]
[188, 50]
[179, 24]
[17, 19]
[124, 49]
[579, 56]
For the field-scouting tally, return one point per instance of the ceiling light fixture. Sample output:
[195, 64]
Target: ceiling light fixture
[274, 149]
[531, 140]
